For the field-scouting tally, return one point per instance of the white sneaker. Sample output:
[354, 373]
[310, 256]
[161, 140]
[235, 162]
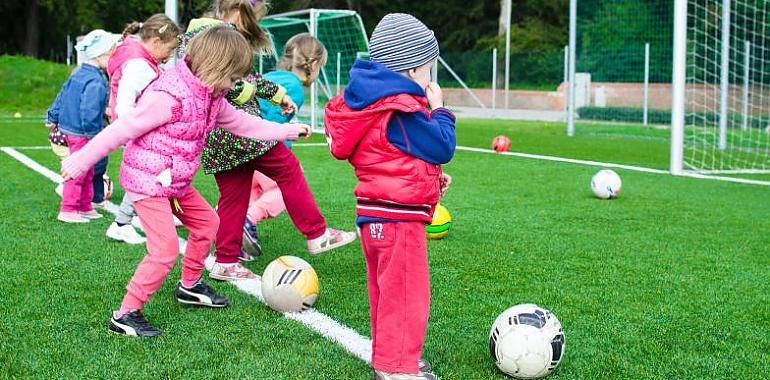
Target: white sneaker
[71, 217]
[125, 233]
[329, 240]
[101, 204]
[90, 214]
[59, 190]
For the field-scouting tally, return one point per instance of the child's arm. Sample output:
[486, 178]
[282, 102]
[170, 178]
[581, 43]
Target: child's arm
[430, 138]
[255, 85]
[137, 75]
[152, 111]
[92, 106]
[52, 116]
[242, 124]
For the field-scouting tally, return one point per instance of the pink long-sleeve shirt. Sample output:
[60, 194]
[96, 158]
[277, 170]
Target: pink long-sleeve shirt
[154, 110]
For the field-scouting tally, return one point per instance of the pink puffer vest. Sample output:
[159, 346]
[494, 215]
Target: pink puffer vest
[176, 145]
[129, 49]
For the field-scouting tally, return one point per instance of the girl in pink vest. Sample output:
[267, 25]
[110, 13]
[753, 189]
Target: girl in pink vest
[133, 66]
[164, 135]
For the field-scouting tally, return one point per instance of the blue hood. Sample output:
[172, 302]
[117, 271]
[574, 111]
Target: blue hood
[371, 81]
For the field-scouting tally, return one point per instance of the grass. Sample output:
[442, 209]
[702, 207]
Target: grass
[668, 281]
[29, 85]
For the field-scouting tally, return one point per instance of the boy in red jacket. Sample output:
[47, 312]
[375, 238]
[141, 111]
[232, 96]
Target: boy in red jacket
[396, 146]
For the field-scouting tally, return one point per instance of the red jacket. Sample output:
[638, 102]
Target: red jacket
[129, 49]
[391, 184]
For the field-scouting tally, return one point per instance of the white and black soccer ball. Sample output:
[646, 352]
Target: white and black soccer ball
[606, 184]
[526, 342]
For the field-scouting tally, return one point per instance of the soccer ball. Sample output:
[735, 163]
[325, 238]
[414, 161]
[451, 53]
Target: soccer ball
[526, 342]
[606, 184]
[501, 144]
[441, 224]
[107, 187]
[289, 284]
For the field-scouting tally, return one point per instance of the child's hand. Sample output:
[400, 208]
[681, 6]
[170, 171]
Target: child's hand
[435, 95]
[298, 129]
[305, 131]
[50, 125]
[66, 176]
[288, 106]
[443, 182]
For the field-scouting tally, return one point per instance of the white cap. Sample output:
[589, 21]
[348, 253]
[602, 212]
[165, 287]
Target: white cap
[96, 43]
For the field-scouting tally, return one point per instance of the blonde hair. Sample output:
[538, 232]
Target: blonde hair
[217, 54]
[302, 52]
[250, 13]
[158, 25]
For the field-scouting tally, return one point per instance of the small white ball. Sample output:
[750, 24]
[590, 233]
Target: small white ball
[606, 184]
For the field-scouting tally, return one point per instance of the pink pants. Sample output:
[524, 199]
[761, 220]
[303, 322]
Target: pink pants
[163, 244]
[399, 293]
[266, 200]
[77, 193]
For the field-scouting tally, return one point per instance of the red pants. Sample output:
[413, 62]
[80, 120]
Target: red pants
[77, 193]
[280, 165]
[399, 293]
[163, 243]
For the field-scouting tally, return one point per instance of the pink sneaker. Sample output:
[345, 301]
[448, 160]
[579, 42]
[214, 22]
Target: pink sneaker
[71, 217]
[329, 240]
[231, 272]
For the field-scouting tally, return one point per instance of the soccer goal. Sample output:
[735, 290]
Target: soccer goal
[342, 33]
[721, 106]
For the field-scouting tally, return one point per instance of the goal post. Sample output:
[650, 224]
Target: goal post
[342, 33]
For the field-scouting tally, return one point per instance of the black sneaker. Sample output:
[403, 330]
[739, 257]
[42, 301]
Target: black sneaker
[250, 246]
[201, 294]
[133, 324]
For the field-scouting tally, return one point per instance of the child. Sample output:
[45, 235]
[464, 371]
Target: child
[297, 68]
[380, 124]
[233, 160]
[165, 133]
[133, 66]
[78, 113]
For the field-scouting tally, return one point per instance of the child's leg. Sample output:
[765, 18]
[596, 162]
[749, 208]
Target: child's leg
[233, 202]
[266, 200]
[280, 165]
[202, 222]
[397, 266]
[75, 189]
[98, 180]
[162, 250]
[126, 211]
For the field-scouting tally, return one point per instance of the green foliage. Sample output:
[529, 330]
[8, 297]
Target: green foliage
[29, 84]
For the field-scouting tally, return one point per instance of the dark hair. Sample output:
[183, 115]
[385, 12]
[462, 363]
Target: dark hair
[158, 25]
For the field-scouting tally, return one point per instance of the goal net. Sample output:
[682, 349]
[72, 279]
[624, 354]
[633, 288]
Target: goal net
[727, 98]
[342, 33]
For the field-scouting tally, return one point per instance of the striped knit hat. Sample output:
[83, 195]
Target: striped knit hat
[401, 42]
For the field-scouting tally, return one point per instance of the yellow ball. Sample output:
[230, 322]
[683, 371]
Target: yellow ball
[442, 222]
[290, 284]
[17, 115]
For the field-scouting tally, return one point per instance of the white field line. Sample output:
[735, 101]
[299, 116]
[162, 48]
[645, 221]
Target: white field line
[349, 339]
[561, 159]
[611, 165]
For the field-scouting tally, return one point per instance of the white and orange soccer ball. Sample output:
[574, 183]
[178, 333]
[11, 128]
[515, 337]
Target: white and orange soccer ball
[290, 284]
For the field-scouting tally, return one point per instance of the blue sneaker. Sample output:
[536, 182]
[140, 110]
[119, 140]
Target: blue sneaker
[250, 246]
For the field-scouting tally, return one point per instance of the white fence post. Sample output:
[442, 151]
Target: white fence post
[746, 84]
[494, 79]
[572, 42]
[678, 86]
[507, 52]
[566, 81]
[339, 68]
[646, 81]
